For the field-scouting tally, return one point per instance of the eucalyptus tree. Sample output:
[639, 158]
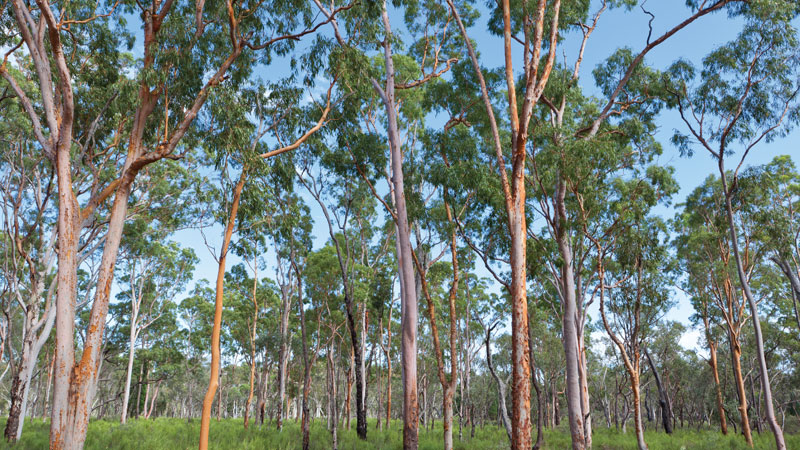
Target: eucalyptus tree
[291, 232]
[265, 215]
[196, 313]
[540, 27]
[774, 205]
[248, 301]
[390, 79]
[278, 115]
[154, 274]
[637, 268]
[706, 313]
[705, 248]
[747, 94]
[172, 89]
[349, 212]
[325, 292]
[29, 258]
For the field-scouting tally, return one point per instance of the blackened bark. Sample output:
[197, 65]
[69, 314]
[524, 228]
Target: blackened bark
[663, 396]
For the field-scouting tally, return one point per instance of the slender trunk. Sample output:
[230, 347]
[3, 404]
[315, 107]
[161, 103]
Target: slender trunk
[36, 331]
[213, 382]
[379, 379]
[15, 411]
[49, 386]
[448, 386]
[539, 412]
[349, 390]
[152, 408]
[252, 347]
[572, 350]
[387, 349]
[723, 424]
[407, 291]
[637, 411]
[219, 400]
[663, 397]
[139, 390]
[305, 424]
[586, 408]
[361, 411]
[283, 357]
[736, 360]
[780, 444]
[333, 405]
[129, 370]
[307, 363]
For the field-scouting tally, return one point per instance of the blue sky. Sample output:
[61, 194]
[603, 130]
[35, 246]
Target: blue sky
[616, 28]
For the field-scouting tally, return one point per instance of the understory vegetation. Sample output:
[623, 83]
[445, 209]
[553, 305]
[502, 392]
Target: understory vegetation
[182, 434]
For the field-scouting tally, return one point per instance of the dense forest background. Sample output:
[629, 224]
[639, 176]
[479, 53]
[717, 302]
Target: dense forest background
[518, 217]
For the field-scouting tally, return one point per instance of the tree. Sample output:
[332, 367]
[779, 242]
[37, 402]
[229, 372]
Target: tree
[540, 27]
[154, 274]
[706, 250]
[748, 93]
[638, 274]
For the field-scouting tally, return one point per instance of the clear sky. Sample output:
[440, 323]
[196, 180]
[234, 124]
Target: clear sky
[616, 28]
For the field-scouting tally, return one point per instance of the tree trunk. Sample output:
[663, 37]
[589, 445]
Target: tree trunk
[572, 350]
[20, 388]
[723, 425]
[61, 436]
[387, 350]
[252, 346]
[736, 362]
[637, 412]
[283, 357]
[332, 394]
[408, 298]
[663, 397]
[349, 395]
[139, 390]
[129, 370]
[539, 412]
[213, 382]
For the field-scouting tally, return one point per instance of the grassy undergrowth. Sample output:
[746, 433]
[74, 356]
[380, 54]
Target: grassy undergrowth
[176, 434]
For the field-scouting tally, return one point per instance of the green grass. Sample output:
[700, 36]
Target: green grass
[175, 434]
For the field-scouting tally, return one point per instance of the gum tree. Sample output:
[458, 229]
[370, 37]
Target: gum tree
[747, 93]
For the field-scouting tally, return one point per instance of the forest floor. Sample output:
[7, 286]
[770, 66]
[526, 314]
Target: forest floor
[176, 434]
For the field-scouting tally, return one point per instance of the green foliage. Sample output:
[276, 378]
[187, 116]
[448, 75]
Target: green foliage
[177, 434]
